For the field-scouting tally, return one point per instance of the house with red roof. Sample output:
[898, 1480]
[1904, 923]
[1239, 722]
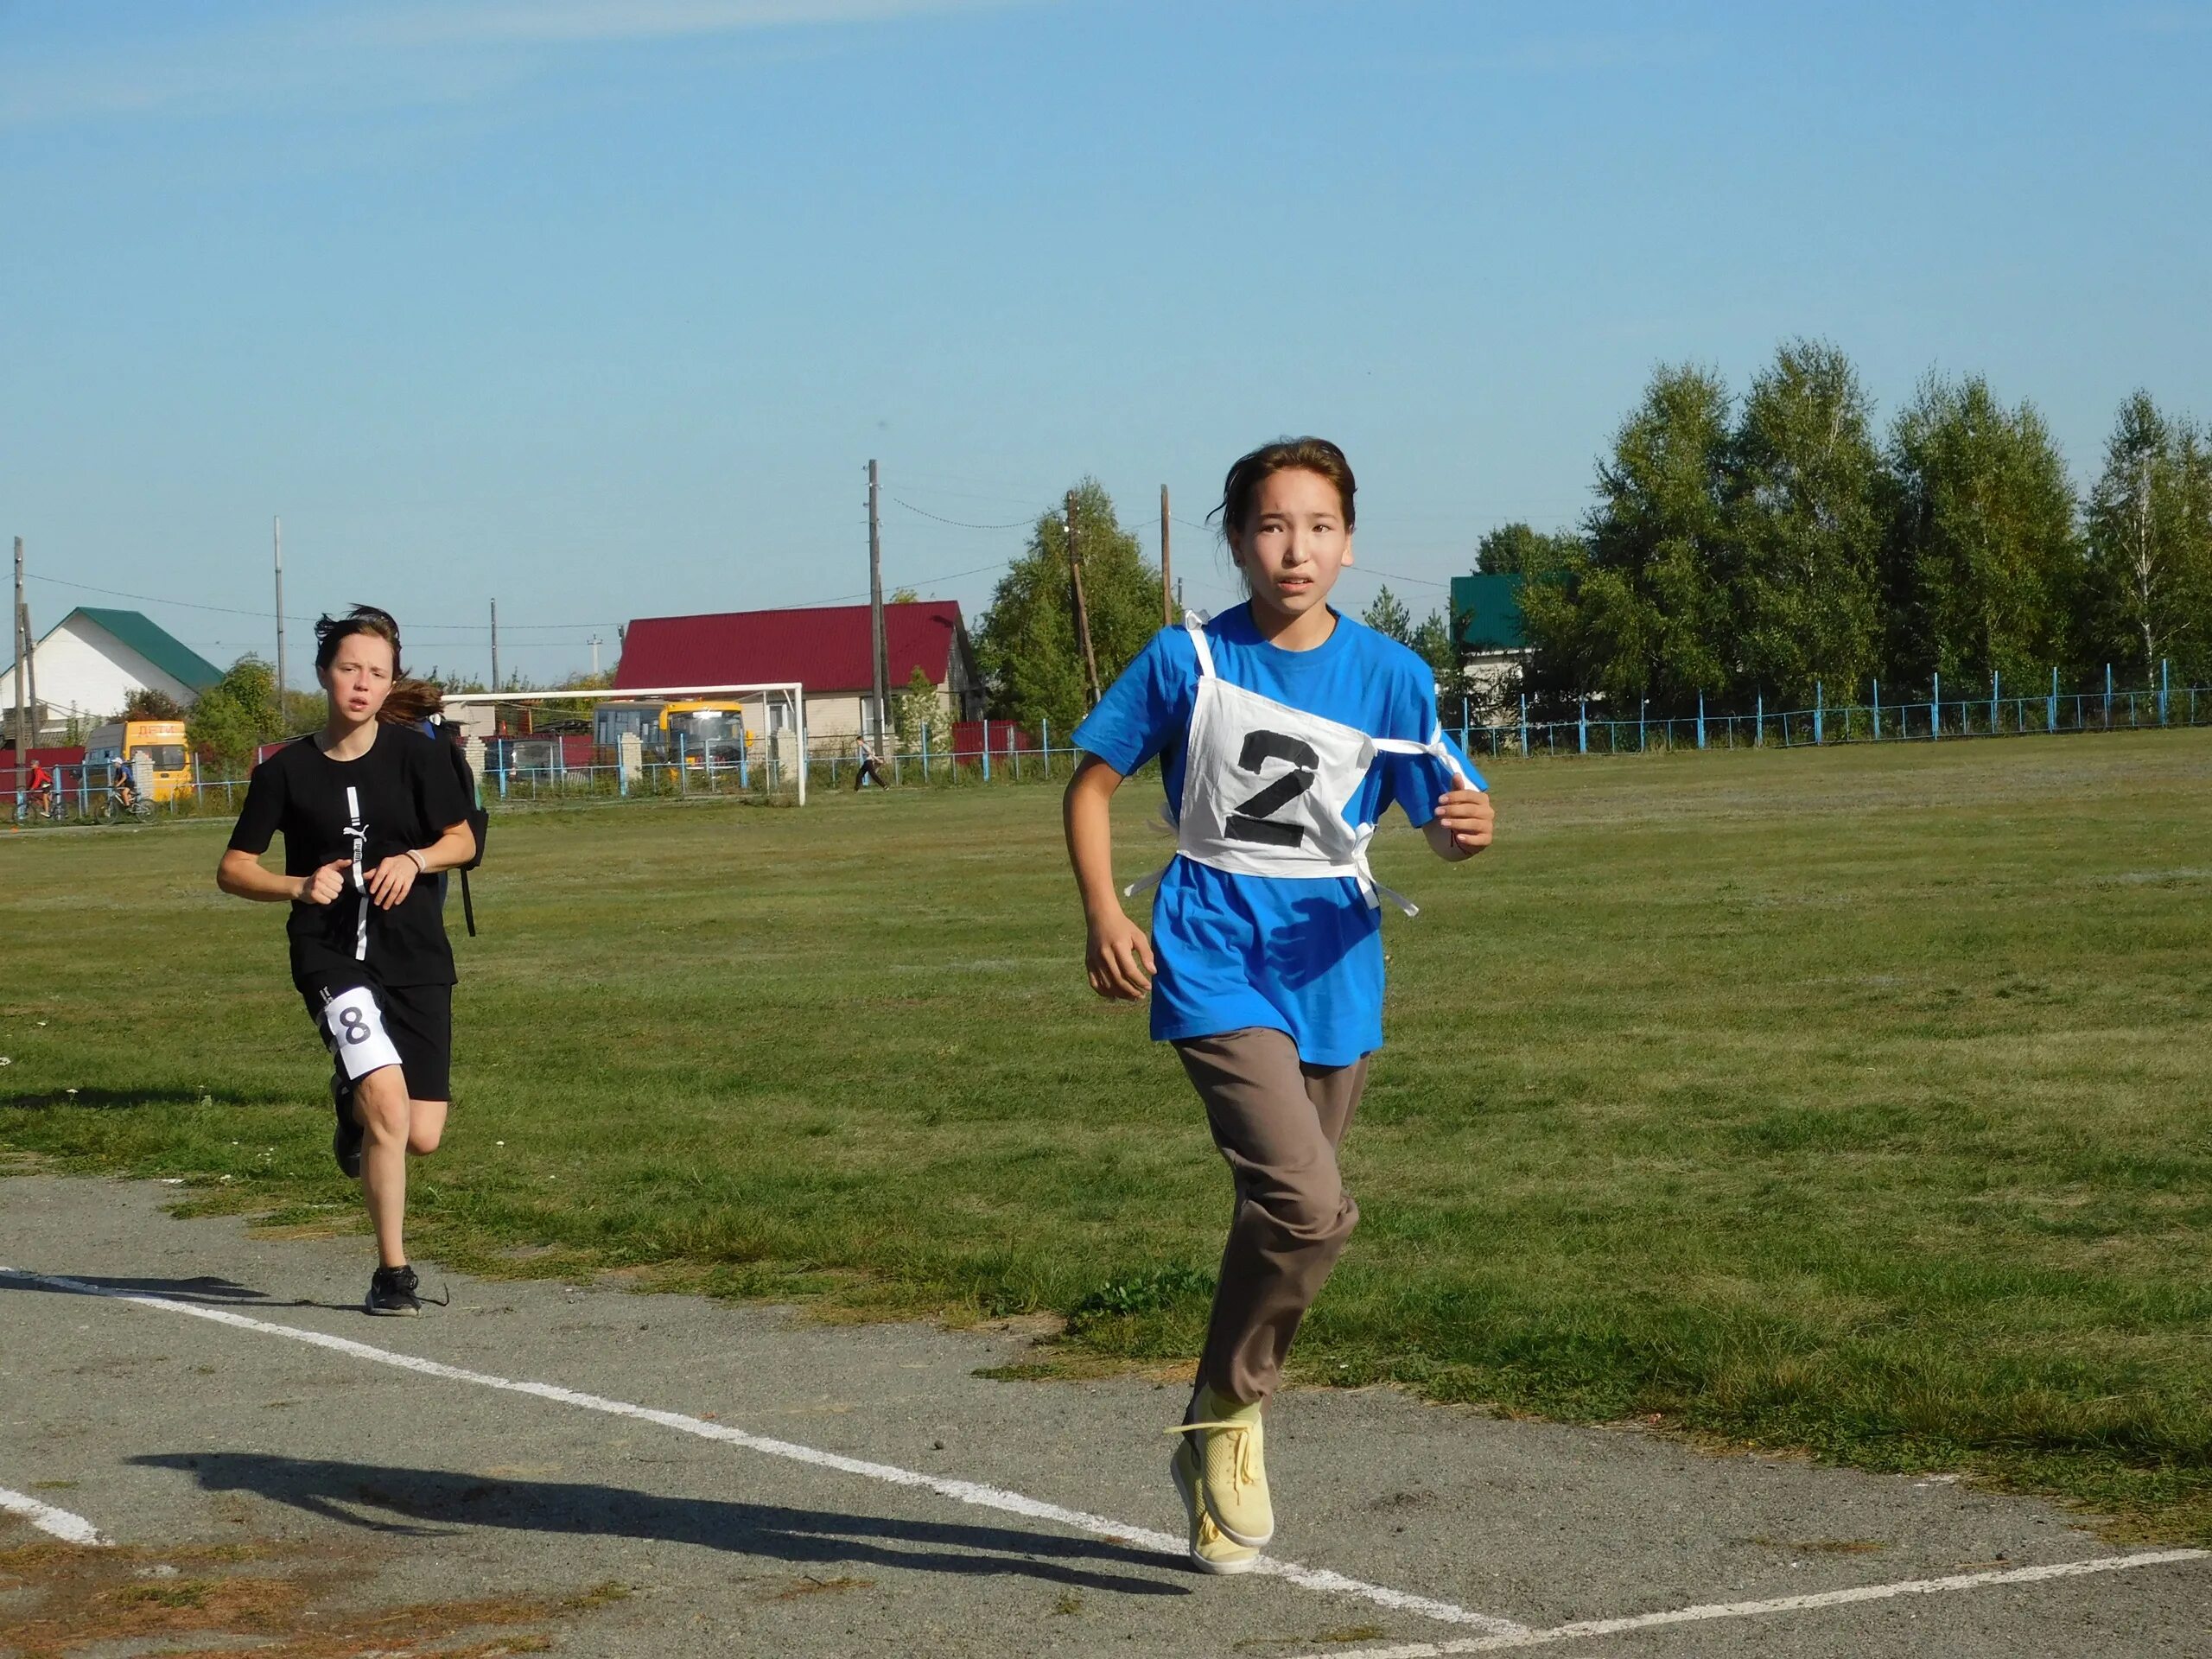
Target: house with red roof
[826, 648]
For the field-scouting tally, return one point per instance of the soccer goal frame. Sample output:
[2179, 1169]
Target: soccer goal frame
[790, 691]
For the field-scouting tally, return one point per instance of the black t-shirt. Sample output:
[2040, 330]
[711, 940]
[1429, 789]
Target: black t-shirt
[402, 794]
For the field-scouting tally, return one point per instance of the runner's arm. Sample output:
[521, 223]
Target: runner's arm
[242, 875]
[450, 850]
[1116, 954]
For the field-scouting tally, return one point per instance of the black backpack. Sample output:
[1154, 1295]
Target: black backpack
[479, 825]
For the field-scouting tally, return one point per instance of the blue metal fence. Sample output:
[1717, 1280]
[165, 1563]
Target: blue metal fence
[523, 769]
[1928, 718]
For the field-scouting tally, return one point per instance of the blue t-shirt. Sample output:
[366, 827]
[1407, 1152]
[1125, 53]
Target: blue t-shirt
[1303, 955]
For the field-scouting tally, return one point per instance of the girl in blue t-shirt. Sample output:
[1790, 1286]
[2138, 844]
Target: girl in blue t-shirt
[1285, 729]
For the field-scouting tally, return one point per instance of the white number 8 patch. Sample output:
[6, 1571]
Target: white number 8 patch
[356, 1033]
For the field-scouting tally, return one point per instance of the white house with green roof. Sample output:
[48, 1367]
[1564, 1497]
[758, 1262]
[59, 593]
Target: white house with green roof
[1493, 643]
[86, 667]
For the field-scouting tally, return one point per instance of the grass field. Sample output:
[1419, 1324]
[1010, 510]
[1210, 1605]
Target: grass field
[1849, 1100]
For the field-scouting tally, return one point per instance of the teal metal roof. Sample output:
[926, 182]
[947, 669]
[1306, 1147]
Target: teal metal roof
[158, 646]
[1488, 610]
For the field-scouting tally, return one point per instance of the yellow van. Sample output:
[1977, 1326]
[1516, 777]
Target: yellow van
[711, 732]
[155, 748]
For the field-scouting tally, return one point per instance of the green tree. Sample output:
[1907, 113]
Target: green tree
[1517, 549]
[236, 715]
[915, 706]
[2147, 583]
[582, 709]
[1388, 616]
[146, 704]
[1982, 565]
[1436, 642]
[902, 596]
[1025, 644]
[1642, 607]
[1803, 547]
[303, 711]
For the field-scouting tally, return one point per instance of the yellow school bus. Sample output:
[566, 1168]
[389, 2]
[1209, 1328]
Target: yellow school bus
[155, 748]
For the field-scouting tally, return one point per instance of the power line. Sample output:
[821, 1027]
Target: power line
[150, 599]
[928, 488]
[232, 610]
[1394, 575]
[962, 524]
[923, 581]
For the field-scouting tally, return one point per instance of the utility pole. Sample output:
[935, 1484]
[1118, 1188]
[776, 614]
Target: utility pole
[1166, 582]
[281, 682]
[15, 616]
[879, 648]
[1082, 614]
[30, 671]
[594, 656]
[495, 645]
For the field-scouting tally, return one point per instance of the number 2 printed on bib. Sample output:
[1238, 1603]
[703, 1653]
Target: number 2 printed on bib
[1253, 818]
[353, 1027]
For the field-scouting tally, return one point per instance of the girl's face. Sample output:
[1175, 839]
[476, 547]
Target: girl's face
[358, 678]
[1294, 543]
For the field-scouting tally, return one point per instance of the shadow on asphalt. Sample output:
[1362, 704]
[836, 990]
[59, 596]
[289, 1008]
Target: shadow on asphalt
[206, 1289]
[399, 1501]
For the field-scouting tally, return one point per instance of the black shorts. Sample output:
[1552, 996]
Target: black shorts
[366, 1026]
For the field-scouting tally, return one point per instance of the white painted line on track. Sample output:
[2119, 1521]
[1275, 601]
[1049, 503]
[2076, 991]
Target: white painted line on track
[70, 1529]
[963, 1491]
[1590, 1627]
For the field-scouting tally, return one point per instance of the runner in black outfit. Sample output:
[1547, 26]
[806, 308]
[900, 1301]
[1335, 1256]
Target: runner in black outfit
[367, 807]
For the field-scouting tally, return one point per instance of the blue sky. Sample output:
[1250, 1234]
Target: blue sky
[600, 306]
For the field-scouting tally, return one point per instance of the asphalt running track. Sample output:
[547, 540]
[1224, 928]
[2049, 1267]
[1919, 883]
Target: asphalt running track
[660, 1475]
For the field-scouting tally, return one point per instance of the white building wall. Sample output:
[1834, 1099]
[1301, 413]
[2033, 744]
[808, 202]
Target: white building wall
[86, 672]
[835, 718]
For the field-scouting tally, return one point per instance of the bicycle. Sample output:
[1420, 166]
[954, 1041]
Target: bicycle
[30, 809]
[124, 805]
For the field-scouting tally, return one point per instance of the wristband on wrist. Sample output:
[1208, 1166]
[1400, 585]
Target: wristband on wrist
[422, 864]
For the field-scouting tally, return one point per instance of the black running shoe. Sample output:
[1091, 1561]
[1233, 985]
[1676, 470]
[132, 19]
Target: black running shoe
[392, 1292]
[346, 1139]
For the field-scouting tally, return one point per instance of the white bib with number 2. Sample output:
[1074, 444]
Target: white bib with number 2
[355, 1024]
[1265, 785]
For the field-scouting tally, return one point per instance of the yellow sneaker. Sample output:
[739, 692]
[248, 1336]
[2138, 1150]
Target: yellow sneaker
[1227, 1446]
[1209, 1551]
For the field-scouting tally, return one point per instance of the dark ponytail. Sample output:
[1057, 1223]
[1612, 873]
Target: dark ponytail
[411, 701]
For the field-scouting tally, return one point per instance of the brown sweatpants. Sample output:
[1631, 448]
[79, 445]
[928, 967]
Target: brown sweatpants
[1279, 1122]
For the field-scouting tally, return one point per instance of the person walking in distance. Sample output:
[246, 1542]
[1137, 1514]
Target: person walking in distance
[1285, 729]
[871, 771]
[369, 808]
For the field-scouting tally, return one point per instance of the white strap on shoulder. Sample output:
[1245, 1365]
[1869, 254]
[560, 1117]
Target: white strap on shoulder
[1195, 623]
[1436, 745]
